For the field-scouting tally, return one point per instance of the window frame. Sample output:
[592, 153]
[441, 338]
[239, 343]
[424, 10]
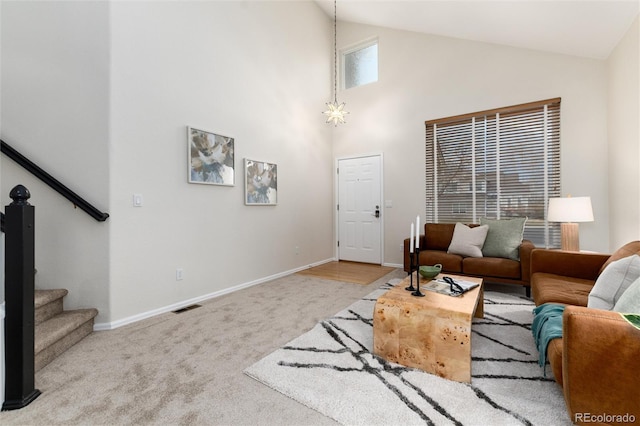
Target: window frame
[460, 134]
[354, 48]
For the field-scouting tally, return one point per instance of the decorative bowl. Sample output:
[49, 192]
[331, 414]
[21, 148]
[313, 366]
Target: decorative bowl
[430, 271]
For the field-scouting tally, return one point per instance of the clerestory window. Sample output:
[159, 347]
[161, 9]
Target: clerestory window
[360, 64]
[498, 164]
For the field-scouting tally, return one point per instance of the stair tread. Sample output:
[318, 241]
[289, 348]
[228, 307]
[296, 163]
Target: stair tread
[42, 297]
[55, 328]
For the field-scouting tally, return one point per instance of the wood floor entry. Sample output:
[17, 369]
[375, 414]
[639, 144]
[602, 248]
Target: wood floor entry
[352, 272]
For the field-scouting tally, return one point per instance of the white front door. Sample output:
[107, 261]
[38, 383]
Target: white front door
[360, 209]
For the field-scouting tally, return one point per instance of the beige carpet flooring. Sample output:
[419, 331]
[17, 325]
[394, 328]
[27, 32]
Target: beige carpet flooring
[187, 369]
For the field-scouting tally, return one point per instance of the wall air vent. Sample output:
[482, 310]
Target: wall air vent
[186, 308]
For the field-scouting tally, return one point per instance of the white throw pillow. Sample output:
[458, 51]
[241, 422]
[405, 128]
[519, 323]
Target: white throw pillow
[629, 302]
[613, 281]
[468, 241]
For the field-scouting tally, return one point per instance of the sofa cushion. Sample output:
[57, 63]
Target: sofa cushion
[613, 281]
[491, 267]
[438, 235]
[629, 302]
[468, 241]
[450, 262]
[552, 288]
[504, 237]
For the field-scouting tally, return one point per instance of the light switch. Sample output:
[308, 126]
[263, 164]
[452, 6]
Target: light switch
[137, 200]
[388, 204]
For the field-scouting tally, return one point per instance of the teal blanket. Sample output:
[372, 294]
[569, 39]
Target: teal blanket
[547, 325]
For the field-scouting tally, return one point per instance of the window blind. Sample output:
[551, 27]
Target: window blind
[497, 164]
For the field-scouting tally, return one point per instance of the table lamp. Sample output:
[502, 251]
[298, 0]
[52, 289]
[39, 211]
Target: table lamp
[570, 210]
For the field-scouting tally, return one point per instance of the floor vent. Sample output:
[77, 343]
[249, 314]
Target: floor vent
[186, 308]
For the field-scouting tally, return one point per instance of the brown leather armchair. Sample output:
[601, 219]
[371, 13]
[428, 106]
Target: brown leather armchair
[596, 359]
[600, 353]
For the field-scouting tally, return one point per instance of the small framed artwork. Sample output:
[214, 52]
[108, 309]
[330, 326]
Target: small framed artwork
[211, 158]
[261, 183]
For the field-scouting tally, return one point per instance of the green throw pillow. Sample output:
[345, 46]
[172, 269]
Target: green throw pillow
[634, 319]
[504, 237]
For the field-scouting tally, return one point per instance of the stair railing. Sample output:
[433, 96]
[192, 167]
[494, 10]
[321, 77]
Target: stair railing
[19, 227]
[38, 172]
[19, 291]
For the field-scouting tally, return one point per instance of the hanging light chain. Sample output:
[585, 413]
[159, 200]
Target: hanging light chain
[335, 51]
[335, 114]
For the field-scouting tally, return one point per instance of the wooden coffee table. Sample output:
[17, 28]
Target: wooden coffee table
[432, 333]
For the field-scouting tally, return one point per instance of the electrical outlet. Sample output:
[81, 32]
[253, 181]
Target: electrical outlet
[297, 250]
[179, 274]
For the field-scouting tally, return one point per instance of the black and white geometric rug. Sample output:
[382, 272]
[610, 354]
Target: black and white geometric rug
[332, 370]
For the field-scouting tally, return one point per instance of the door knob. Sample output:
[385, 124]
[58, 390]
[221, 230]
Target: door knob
[377, 213]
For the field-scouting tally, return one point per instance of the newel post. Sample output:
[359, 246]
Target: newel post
[19, 296]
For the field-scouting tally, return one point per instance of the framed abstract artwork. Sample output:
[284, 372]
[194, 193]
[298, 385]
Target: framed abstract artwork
[211, 157]
[261, 183]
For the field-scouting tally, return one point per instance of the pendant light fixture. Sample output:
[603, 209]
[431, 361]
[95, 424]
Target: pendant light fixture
[335, 114]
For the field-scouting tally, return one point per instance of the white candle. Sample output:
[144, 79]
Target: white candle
[418, 231]
[411, 240]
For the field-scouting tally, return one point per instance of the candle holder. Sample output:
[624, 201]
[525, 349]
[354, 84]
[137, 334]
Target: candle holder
[412, 266]
[417, 292]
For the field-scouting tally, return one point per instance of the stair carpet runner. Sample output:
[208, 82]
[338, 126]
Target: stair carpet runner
[56, 330]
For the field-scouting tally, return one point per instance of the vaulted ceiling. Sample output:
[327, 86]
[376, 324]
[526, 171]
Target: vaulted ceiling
[588, 28]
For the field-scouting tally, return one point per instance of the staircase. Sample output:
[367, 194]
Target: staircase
[53, 330]
[56, 330]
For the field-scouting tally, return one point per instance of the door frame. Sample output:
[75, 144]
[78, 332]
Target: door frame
[336, 194]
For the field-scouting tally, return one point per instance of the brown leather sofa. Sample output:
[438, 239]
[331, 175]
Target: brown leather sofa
[596, 360]
[433, 249]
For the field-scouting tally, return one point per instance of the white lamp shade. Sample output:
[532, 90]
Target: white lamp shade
[570, 209]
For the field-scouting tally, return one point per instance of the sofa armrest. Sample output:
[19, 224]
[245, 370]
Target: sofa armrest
[525, 260]
[600, 371]
[567, 263]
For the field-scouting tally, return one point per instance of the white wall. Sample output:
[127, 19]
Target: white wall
[100, 94]
[55, 87]
[424, 77]
[256, 71]
[624, 139]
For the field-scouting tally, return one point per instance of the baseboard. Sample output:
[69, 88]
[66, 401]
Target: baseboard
[394, 265]
[144, 315]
